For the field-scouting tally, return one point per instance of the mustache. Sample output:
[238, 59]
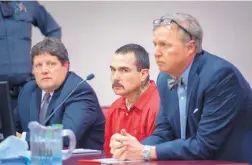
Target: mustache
[117, 84]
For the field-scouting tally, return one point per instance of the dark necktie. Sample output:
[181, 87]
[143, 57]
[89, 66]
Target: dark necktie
[175, 82]
[44, 107]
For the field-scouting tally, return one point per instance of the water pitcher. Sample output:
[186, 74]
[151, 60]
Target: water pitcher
[46, 144]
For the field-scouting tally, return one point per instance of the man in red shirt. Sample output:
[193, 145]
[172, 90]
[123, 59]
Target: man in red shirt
[136, 109]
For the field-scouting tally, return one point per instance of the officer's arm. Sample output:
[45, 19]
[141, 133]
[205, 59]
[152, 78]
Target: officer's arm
[44, 21]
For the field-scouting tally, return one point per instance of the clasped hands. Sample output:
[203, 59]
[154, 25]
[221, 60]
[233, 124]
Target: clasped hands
[124, 146]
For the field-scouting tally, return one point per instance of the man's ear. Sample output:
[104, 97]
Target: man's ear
[144, 74]
[191, 47]
[66, 65]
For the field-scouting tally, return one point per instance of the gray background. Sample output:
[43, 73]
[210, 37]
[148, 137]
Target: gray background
[92, 31]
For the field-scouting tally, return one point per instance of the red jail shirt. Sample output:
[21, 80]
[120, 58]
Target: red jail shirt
[139, 121]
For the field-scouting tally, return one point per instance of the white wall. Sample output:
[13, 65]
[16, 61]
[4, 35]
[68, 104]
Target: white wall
[92, 31]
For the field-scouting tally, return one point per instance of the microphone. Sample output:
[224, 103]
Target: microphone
[89, 77]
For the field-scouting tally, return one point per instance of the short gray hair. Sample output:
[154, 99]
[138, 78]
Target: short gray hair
[191, 25]
[52, 46]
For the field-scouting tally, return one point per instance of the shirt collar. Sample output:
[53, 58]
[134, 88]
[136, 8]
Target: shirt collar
[143, 99]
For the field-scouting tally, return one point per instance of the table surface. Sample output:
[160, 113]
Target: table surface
[74, 161]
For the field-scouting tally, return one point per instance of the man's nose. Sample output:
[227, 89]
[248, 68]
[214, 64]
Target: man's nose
[116, 76]
[157, 52]
[44, 69]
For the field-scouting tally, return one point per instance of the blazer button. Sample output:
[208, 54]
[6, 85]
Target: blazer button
[126, 114]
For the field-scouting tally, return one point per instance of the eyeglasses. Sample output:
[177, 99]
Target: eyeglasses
[168, 21]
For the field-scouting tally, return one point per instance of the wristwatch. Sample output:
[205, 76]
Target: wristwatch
[146, 152]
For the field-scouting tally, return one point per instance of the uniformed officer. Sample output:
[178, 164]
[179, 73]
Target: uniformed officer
[16, 20]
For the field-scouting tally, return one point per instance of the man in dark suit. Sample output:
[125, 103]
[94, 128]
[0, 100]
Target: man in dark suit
[53, 82]
[206, 104]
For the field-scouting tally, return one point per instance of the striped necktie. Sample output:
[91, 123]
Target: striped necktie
[44, 107]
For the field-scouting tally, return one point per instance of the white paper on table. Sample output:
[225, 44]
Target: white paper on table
[112, 160]
[83, 151]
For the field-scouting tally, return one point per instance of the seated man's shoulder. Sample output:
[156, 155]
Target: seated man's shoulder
[74, 80]
[27, 90]
[214, 64]
[80, 90]
[30, 86]
[216, 70]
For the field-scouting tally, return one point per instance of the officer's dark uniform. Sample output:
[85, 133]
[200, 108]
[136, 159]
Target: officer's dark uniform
[16, 20]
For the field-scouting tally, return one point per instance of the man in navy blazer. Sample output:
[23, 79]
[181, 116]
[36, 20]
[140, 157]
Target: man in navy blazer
[80, 113]
[206, 104]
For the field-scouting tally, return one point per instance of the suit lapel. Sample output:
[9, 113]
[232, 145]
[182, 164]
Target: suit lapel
[192, 84]
[193, 81]
[35, 104]
[60, 94]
